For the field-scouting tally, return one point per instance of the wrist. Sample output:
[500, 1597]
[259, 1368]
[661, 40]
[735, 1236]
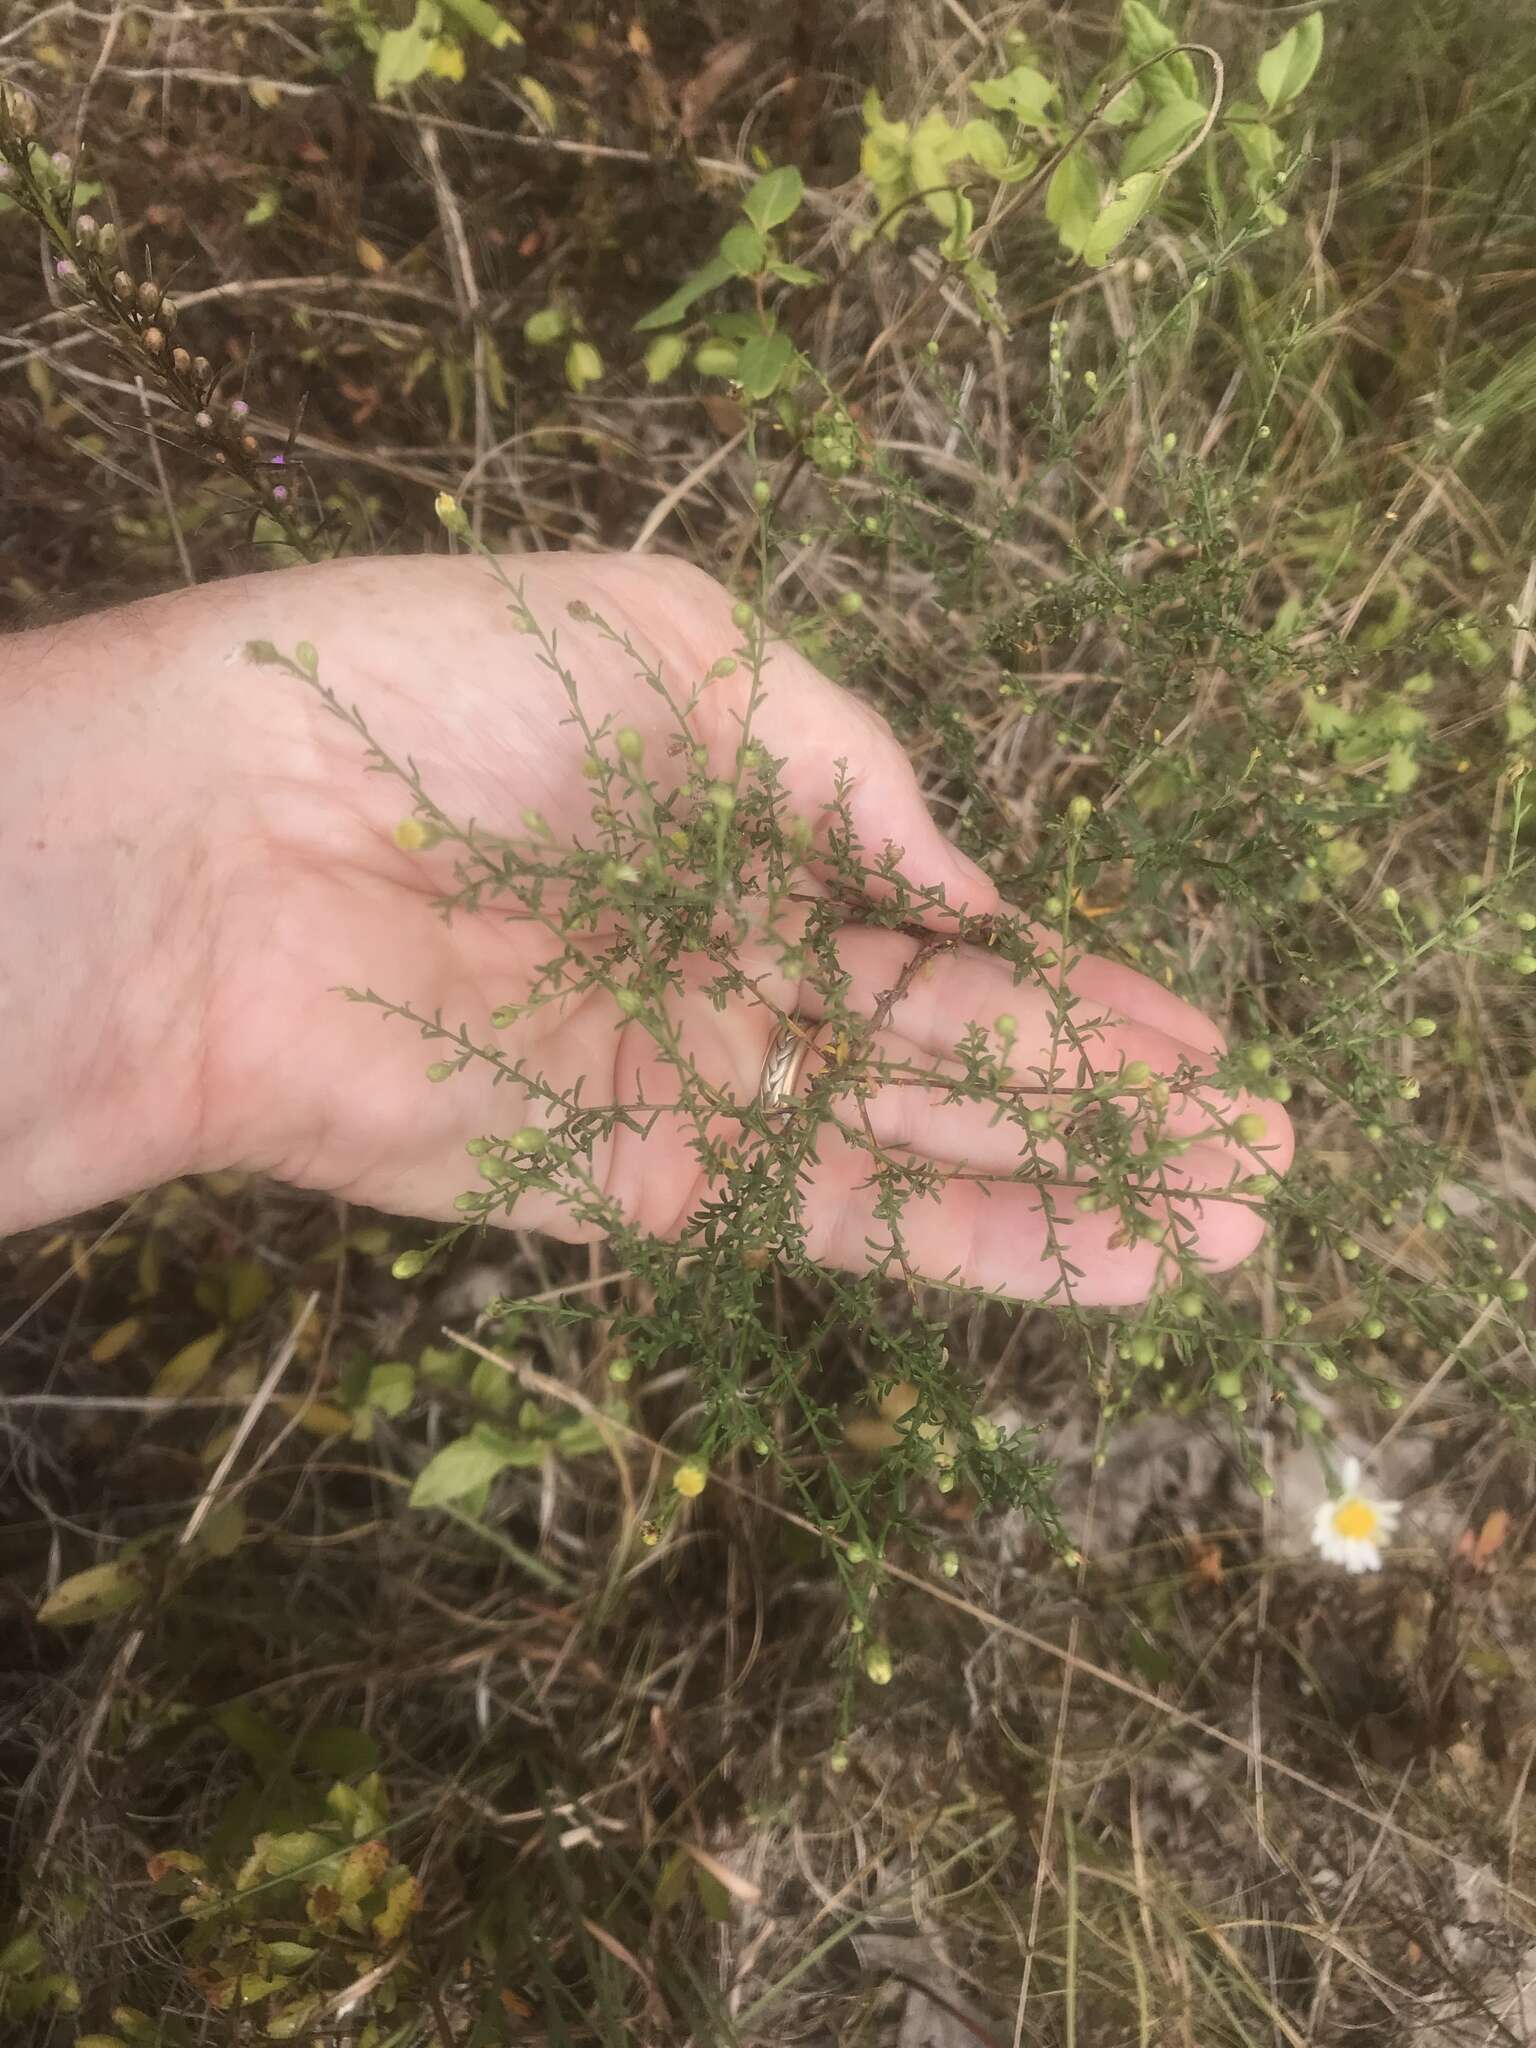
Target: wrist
[108, 884]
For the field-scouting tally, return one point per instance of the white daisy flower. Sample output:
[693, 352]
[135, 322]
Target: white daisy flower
[1351, 1528]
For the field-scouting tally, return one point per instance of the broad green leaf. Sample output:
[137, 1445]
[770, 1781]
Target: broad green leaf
[404, 54]
[583, 365]
[282, 1855]
[245, 1728]
[664, 356]
[744, 249]
[1286, 71]
[795, 273]
[715, 272]
[1163, 137]
[986, 146]
[91, 1596]
[1132, 198]
[1127, 106]
[1260, 146]
[179, 1375]
[1402, 770]
[716, 359]
[545, 327]
[480, 16]
[289, 1955]
[1024, 92]
[223, 1532]
[492, 1388]
[391, 1388]
[339, 1752]
[774, 198]
[1072, 199]
[468, 1462]
[1146, 37]
[22, 1955]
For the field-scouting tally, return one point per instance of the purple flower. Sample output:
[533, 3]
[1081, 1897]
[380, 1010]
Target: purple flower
[239, 409]
[278, 461]
[280, 492]
[64, 268]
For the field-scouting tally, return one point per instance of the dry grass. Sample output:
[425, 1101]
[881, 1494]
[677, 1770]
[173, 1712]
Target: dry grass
[1195, 1789]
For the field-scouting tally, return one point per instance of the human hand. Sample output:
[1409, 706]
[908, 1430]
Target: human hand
[300, 887]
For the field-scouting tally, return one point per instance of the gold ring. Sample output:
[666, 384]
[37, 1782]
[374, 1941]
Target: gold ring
[783, 1064]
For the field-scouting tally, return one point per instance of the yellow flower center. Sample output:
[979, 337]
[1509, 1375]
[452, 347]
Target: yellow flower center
[1355, 1518]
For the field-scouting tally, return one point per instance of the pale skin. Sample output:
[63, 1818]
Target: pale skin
[192, 860]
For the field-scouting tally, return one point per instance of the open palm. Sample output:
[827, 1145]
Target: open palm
[313, 892]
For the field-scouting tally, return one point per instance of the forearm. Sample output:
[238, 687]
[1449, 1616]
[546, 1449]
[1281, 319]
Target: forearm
[103, 884]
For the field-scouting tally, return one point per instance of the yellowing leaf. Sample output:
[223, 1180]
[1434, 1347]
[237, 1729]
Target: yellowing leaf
[539, 99]
[320, 1418]
[401, 1902]
[114, 1342]
[265, 94]
[371, 256]
[179, 1375]
[445, 59]
[91, 1596]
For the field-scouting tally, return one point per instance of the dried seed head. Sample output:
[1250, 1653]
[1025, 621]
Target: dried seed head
[106, 239]
[86, 231]
[219, 455]
[154, 340]
[202, 369]
[250, 444]
[60, 162]
[238, 409]
[19, 111]
[181, 362]
[65, 269]
[169, 313]
[122, 287]
[204, 422]
[149, 297]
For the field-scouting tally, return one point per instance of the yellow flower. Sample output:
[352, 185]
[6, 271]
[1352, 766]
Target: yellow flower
[690, 1479]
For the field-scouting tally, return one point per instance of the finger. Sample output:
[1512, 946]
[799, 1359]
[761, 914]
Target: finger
[967, 986]
[1025, 1242]
[939, 1120]
[813, 725]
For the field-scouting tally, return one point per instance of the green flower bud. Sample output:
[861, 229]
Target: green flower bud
[528, 1140]
[1079, 811]
[1514, 1290]
[1373, 1327]
[1190, 1305]
[850, 604]
[1524, 963]
[1348, 1248]
[762, 491]
[1324, 1367]
[629, 1000]
[1422, 1027]
[1250, 1128]
[630, 744]
[621, 1369]
[742, 616]
[878, 1667]
[408, 1264]
[442, 1070]
[1389, 1398]
[1228, 1385]
[1389, 899]
[949, 1563]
